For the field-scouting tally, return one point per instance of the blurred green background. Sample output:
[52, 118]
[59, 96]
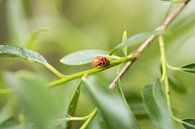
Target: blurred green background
[66, 26]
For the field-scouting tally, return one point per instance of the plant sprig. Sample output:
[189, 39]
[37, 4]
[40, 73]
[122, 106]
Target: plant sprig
[91, 71]
[165, 81]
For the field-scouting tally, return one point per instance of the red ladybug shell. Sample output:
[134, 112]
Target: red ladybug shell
[100, 61]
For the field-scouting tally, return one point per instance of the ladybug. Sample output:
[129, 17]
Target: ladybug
[100, 61]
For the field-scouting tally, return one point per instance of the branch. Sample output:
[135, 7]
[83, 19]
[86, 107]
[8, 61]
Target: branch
[90, 71]
[129, 59]
[161, 29]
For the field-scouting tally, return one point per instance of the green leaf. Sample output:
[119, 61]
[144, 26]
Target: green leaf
[189, 68]
[139, 110]
[33, 39]
[125, 49]
[189, 121]
[113, 109]
[17, 25]
[82, 57]
[176, 84]
[156, 106]
[31, 92]
[15, 51]
[184, 25]
[131, 41]
[7, 112]
[73, 104]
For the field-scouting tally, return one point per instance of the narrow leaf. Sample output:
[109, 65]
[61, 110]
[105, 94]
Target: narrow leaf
[191, 123]
[124, 38]
[176, 84]
[189, 68]
[183, 25]
[114, 110]
[33, 39]
[139, 110]
[133, 40]
[74, 101]
[38, 104]
[73, 104]
[82, 57]
[15, 51]
[155, 103]
[7, 112]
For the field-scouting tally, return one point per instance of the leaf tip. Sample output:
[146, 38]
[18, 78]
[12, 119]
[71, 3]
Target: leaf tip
[124, 35]
[62, 60]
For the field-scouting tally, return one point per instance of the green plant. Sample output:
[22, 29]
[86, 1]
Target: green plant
[111, 107]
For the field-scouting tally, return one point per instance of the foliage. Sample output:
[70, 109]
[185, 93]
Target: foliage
[31, 98]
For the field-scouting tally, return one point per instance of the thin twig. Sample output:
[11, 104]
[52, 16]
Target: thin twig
[161, 29]
[90, 118]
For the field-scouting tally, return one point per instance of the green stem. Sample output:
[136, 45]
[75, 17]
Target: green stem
[164, 71]
[166, 81]
[55, 71]
[75, 118]
[89, 72]
[177, 68]
[90, 118]
[183, 122]
[174, 68]
[119, 84]
[63, 79]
